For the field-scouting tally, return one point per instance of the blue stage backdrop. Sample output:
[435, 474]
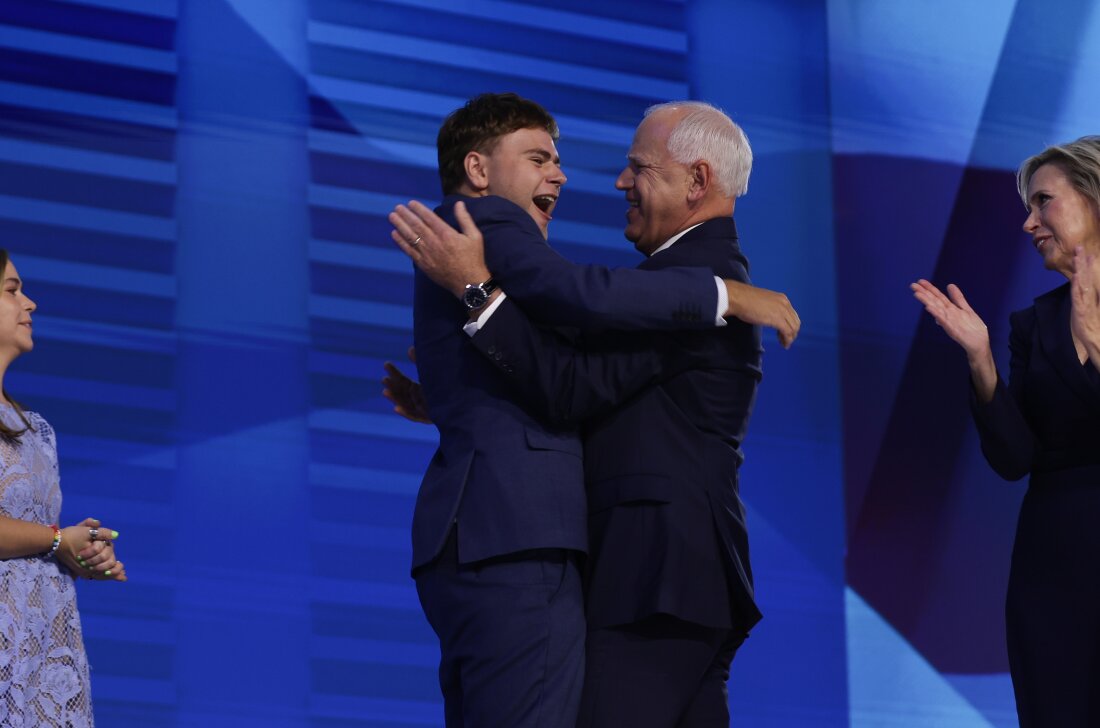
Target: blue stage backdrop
[195, 192]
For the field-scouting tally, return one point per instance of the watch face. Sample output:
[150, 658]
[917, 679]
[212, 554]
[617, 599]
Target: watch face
[474, 297]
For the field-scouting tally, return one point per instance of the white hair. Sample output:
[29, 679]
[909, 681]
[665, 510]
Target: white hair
[705, 132]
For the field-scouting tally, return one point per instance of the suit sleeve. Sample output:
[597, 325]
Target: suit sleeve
[555, 291]
[567, 382]
[1006, 438]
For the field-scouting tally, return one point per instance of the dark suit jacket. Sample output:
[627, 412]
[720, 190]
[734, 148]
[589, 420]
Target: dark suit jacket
[662, 448]
[511, 481]
[1046, 421]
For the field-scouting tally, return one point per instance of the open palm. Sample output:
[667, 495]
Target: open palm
[955, 316]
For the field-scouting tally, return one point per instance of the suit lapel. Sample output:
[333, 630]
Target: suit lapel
[1052, 312]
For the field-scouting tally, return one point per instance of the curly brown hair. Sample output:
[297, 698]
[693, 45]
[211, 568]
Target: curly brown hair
[478, 125]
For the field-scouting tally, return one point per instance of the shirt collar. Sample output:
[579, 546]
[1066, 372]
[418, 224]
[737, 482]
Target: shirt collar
[669, 243]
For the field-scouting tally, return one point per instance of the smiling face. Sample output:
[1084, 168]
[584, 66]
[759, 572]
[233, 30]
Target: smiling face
[656, 185]
[15, 316]
[522, 166]
[1060, 218]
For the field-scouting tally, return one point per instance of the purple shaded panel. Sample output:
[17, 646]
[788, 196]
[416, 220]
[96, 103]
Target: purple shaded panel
[930, 530]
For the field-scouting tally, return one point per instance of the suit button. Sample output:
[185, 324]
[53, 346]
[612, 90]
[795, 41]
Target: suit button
[498, 356]
[492, 350]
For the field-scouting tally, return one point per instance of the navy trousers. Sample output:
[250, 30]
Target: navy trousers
[511, 637]
[661, 672]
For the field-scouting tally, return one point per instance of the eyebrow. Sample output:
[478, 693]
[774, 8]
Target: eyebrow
[1034, 195]
[16, 281]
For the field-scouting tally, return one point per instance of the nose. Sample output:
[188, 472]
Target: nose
[557, 177]
[30, 305]
[1031, 223]
[625, 180]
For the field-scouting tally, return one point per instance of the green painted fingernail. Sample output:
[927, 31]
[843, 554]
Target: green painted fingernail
[107, 573]
[114, 534]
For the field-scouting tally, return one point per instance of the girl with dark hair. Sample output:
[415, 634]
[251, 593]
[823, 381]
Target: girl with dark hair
[43, 667]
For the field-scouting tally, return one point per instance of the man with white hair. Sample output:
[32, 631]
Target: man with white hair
[669, 592]
[669, 587]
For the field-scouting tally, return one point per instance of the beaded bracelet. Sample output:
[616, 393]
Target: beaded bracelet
[56, 540]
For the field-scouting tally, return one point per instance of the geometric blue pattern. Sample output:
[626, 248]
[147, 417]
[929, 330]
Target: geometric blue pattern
[195, 193]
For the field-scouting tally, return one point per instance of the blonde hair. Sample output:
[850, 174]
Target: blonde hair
[1079, 159]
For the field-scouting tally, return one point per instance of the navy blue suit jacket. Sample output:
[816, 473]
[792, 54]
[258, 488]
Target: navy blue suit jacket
[665, 417]
[510, 480]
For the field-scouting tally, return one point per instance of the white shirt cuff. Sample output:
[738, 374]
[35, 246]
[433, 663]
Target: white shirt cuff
[723, 302]
[474, 326]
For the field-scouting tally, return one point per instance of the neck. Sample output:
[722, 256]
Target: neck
[709, 209]
[4, 362]
[466, 190]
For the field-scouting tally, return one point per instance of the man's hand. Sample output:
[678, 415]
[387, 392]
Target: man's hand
[406, 395]
[767, 308]
[451, 259]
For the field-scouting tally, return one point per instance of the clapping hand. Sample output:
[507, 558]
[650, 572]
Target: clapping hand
[1085, 299]
[955, 316]
[959, 321]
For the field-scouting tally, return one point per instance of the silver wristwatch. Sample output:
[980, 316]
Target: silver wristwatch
[477, 295]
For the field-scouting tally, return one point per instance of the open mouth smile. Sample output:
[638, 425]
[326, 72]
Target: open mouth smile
[545, 203]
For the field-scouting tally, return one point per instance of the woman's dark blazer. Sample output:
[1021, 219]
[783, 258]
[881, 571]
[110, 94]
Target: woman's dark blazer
[1046, 421]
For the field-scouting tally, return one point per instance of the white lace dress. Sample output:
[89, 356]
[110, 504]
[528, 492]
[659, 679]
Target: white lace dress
[43, 667]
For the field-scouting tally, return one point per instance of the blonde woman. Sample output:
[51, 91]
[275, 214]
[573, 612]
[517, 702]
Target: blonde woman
[1045, 423]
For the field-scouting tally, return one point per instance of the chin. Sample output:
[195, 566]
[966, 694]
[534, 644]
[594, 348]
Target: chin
[644, 247]
[1059, 267]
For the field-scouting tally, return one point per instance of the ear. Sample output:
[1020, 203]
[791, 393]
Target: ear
[476, 172]
[700, 181]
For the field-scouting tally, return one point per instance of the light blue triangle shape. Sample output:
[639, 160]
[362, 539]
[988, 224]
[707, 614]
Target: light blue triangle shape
[890, 685]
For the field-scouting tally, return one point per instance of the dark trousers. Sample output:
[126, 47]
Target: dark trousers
[511, 637]
[662, 672]
[1053, 609]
